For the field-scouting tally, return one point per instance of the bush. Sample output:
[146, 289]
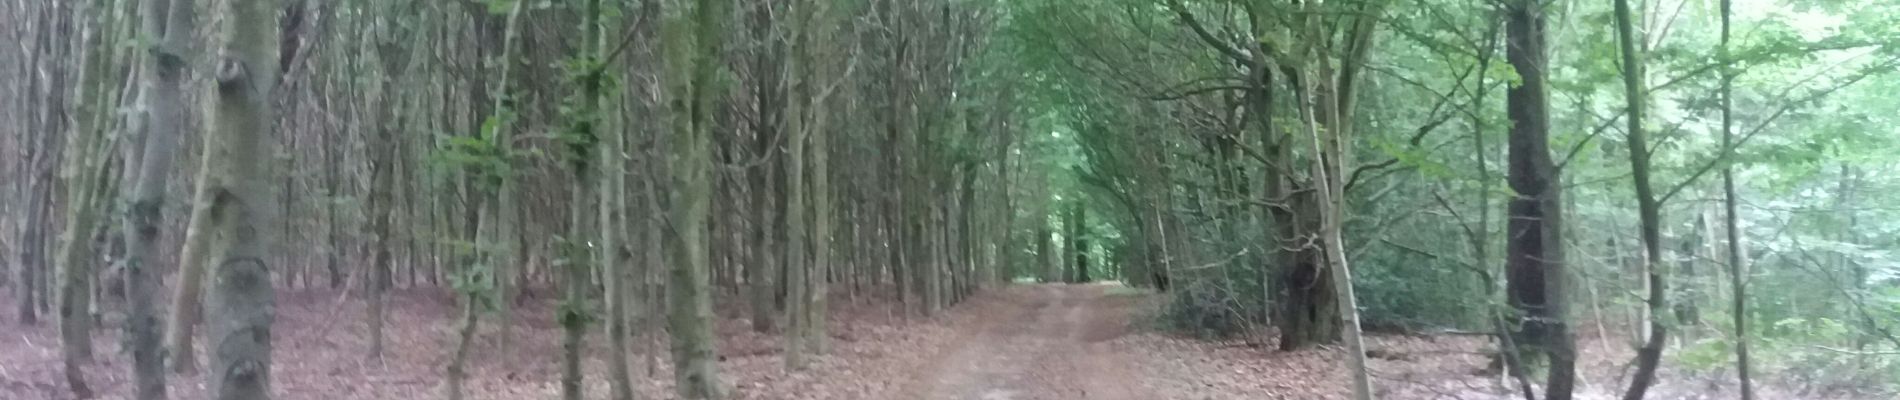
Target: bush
[1207, 309]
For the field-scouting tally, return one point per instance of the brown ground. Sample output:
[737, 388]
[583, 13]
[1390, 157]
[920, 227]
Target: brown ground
[1049, 342]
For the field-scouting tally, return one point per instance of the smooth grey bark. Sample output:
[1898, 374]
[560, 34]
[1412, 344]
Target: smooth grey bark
[798, 244]
[611, 205]
[1330, 201]
[187, 309]
[88, 179]
[163, 78]
[241, 303]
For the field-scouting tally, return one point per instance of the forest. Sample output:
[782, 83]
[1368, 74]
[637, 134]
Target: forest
[949, 199]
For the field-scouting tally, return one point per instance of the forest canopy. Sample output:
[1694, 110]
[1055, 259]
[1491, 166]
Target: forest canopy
[1517, 198]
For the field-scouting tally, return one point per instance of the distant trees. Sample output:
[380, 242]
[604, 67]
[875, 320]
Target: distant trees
[1242, 155]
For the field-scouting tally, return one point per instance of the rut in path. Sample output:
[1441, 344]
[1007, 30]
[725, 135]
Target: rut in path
[1051, 344]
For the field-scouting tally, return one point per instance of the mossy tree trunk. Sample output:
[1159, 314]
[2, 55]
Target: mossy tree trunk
[693, 43]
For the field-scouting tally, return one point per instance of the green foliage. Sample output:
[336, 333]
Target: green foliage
[580, 111]
[570, 313]
[476, 282]
[500, 7]
[1815, 355]
[483, 157]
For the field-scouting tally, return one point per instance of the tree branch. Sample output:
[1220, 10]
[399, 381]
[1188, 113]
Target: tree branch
[1187, 18]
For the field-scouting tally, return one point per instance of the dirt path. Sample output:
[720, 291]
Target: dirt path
[1050, 345]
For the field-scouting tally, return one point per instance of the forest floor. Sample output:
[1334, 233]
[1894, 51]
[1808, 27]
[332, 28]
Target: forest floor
[1025, 342]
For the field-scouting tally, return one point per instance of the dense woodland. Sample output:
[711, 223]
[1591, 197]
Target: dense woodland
[1689, 187]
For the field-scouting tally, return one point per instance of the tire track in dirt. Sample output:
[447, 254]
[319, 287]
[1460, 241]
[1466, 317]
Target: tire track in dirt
[1050, 344]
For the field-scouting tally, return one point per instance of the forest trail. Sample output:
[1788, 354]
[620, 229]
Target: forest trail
[1051, 343]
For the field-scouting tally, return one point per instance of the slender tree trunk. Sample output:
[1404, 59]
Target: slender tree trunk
[489, 210]
[163, 78]
[768, 97]
[573, 314]
[1738, 306]
[87, 179]
[612, 206]
[457, 371]
[33, 244]
[382, 187]
[1326, 173]
[821, 198]
[612, 202]
[186, 308]
[1071, 246]
[798, 243]
[1649, 355]
[1044, 239]
[588, 159]
[689, 302]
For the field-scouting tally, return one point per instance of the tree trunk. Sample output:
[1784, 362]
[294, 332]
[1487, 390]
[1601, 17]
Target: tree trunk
[87, 179]
[1330, 196]
[768, 97]
[1045, 270]
[381, 203]
[798, 243]
[241, 302]
[457, 371]
[1071, 246]
[820, 268]
[186, 308]
[1535, 270]
[1081, 242]
[1738, 305]
[163, 78]
[33, 244]
[689, 302]
[1649, 355]
[613, 266]
[1307, 306]
[490, 205]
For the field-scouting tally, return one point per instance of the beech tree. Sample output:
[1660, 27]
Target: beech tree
[755, 183]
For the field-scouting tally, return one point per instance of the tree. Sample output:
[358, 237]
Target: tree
[696, 38]
[163, 81]
[186, 308]
[1329, 148]
[1535, 245]
[88, 175]
[489, 162]
[610, 165]
[587, 160]
[1635, 94]
[1738, 307]
[240, 305]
